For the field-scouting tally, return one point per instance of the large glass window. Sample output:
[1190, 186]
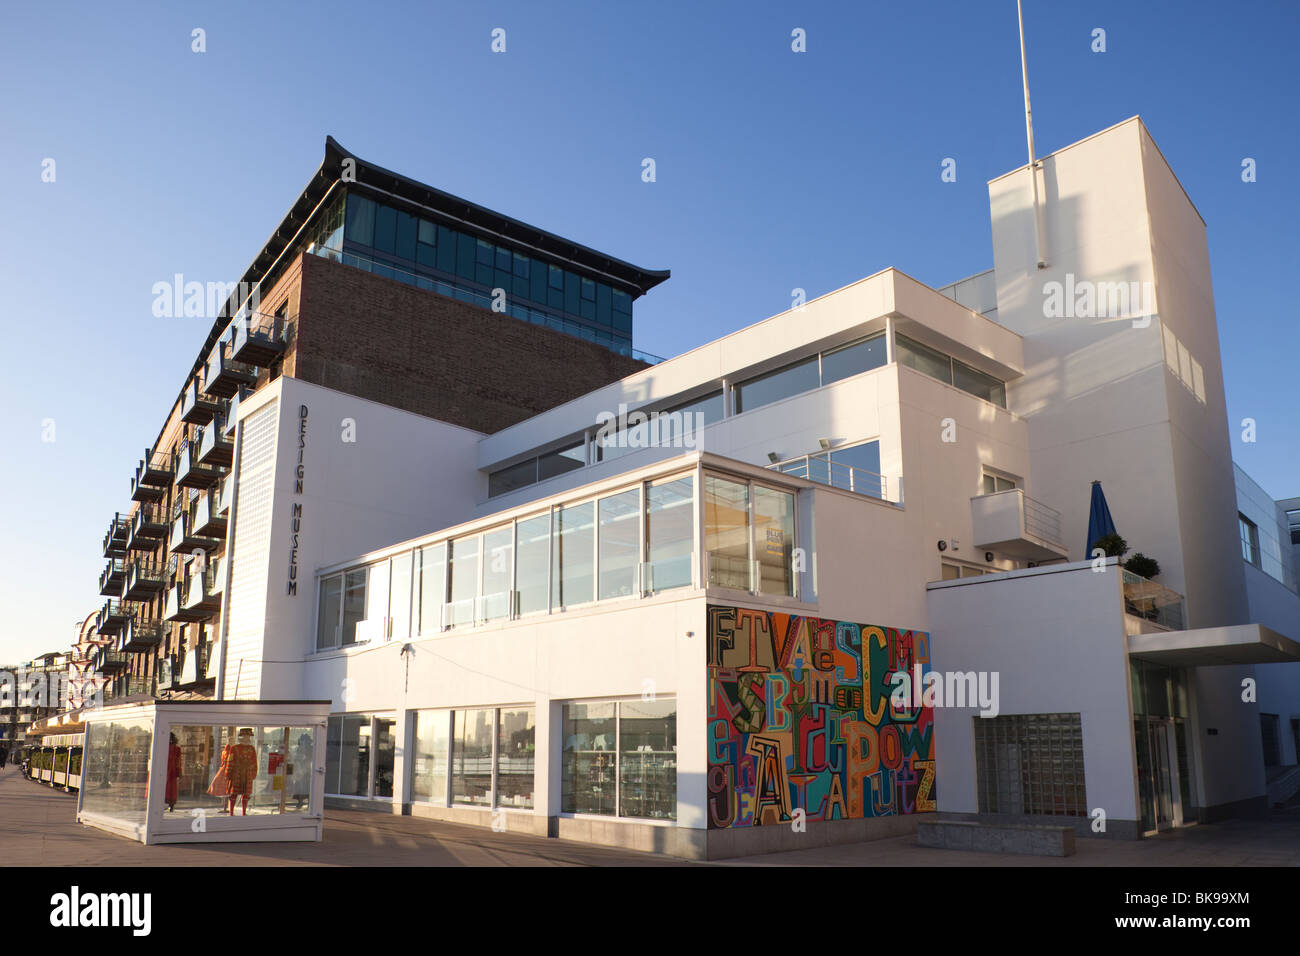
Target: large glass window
[516, 757]
[512, 477]
[923, 358]
[281, 765]
[354, 603]
[857, 468]
[620, 543]
[620, 759]
[385, 755]
[462, 570]
[433, 587]
[852, 359]
[360, 220]
[573, 554]
[978, 384]
[399, 601]
[774, 540]
[533, 558]
[432, 747]
[342, 604]
[774, 386]
[1249, 539]
[354, 757]
[329, 615]
[115, 769]
[670, 533]
[726, 532]
[471, 759]
[560, 461]
[498, 566]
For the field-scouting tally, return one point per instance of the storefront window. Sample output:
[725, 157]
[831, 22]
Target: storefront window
[516, 757]
[670, 533]
[620, 759]
[354, 757]
[774, 540]
[471, 759]
[385, 755]
[115, 778]
[429, 774]
[726, 532]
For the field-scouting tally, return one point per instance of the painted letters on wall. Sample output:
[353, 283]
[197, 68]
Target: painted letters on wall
[800, 718]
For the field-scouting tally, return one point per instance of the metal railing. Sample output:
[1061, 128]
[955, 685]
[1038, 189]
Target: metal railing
[1152, 601]
[823, 470]
[1041, 521]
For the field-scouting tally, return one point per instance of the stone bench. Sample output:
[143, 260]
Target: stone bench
[997, 837]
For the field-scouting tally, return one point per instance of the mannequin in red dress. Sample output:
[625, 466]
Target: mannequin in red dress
[240, 763]
[173, 772]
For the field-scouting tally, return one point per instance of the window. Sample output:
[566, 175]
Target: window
[619, 543]
[462, 575]
[620, 759]
[573, 554]
[532, 557]
[855, 467]
[433, 587]
[923, 359]
[726, 532]
[406, 230]
[512, 477]
[952, 571]
[774, 540]
[774, 386]
[331, 605]
[560, 461]
[516, 757]
[670, 533]
[978, 384]
[399, 601]
[498, 568]
[1249, 540]
[432, 748]
[471, 757]
[354, 603]
[994, 483]
[385, 228]
[853, 359]
[342, 605]
[360, 220]
[1030, 764]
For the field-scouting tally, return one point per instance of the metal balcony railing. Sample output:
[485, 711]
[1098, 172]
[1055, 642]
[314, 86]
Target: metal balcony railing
[196, 407]
[823, 470]
[259, 338]
[223, 375]
[1152, 602]
[115, 539]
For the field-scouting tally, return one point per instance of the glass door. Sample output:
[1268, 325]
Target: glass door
[385, 754]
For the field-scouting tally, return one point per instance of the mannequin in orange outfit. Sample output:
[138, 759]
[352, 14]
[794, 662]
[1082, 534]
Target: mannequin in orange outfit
[240, 763]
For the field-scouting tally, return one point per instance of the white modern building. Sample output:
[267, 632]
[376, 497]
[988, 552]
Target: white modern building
[669, 613]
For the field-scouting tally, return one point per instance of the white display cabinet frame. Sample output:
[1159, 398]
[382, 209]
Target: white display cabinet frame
[307, 824]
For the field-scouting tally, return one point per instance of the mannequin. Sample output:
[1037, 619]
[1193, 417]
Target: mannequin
[240, 763]
[173, 772]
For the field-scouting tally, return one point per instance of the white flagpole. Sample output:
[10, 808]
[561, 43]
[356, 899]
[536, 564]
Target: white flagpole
[1040, 229]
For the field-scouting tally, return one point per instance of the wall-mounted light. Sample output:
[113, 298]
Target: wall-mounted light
[824, 442]
[988, 556]
[943, 545]
[773, 457]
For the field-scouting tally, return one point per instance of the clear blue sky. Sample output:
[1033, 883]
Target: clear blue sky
[775, 170]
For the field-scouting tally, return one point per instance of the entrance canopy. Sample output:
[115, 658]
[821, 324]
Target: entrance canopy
[1208, 646]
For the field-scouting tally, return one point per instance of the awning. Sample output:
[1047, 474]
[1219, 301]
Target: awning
[1210, 646]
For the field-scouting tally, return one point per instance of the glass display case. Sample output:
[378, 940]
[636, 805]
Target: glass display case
[205, 771]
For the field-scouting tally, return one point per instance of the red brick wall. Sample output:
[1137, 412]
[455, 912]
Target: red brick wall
[389, 342]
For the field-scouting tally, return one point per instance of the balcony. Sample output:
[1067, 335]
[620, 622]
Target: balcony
[152, 476]
[1153, 606]
[144, 580]
[825, 470]
[191, 474]
[232, 412]
[225, 495]
[175, 610]
[112, 662]
[148, 527]
[1015, 526]
[202, 594]
[185, 539]
[194, 667]
[112, 578]
[141, 635]
[115, 539]
[214, 447]
[207, 521]
[112, 617]
[218, 575]
[259, 339]
[223, 376]
[196, 407]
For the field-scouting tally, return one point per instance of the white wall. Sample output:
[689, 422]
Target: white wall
[1055, 635]
[403, 475]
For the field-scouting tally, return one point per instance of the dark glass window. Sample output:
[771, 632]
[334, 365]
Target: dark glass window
[978, 384]
[588, 310]
[406, 228]
[360, 220]
[504, 259]
[426, 255]
[623, 323]
[710, 406]
[512, 477]
[446, 250]
[385, 229]
[604, 303]
[622, 302]
[521, 266]
[428, 233]
[572, 293]
[537, 283]
[924, 359]
[852, 359]
[501, 279]
[465, 257]
[555, 298]
[774, 386]
[560, 461]
[556, 278]
[485, 253]
[588, 290]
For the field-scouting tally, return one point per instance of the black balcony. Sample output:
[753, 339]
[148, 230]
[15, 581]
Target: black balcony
[196, 407]
[148, 527]
[113, 662]
[229, 419]
[259, 339]
[185, 539]
[203, 593]
[223, 376]
[194, 667]
[208, 520]
[113, 616]
[174, 608]
[115, 540]
[112, 578]
[191, 474]
[144, 580]
[141, 635]
[214, 448]
[152, 476]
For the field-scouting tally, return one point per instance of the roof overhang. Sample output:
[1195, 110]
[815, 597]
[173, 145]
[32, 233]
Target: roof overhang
[1212, 646]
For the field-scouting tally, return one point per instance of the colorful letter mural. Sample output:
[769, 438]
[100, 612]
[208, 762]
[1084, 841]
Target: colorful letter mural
[800, 718]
